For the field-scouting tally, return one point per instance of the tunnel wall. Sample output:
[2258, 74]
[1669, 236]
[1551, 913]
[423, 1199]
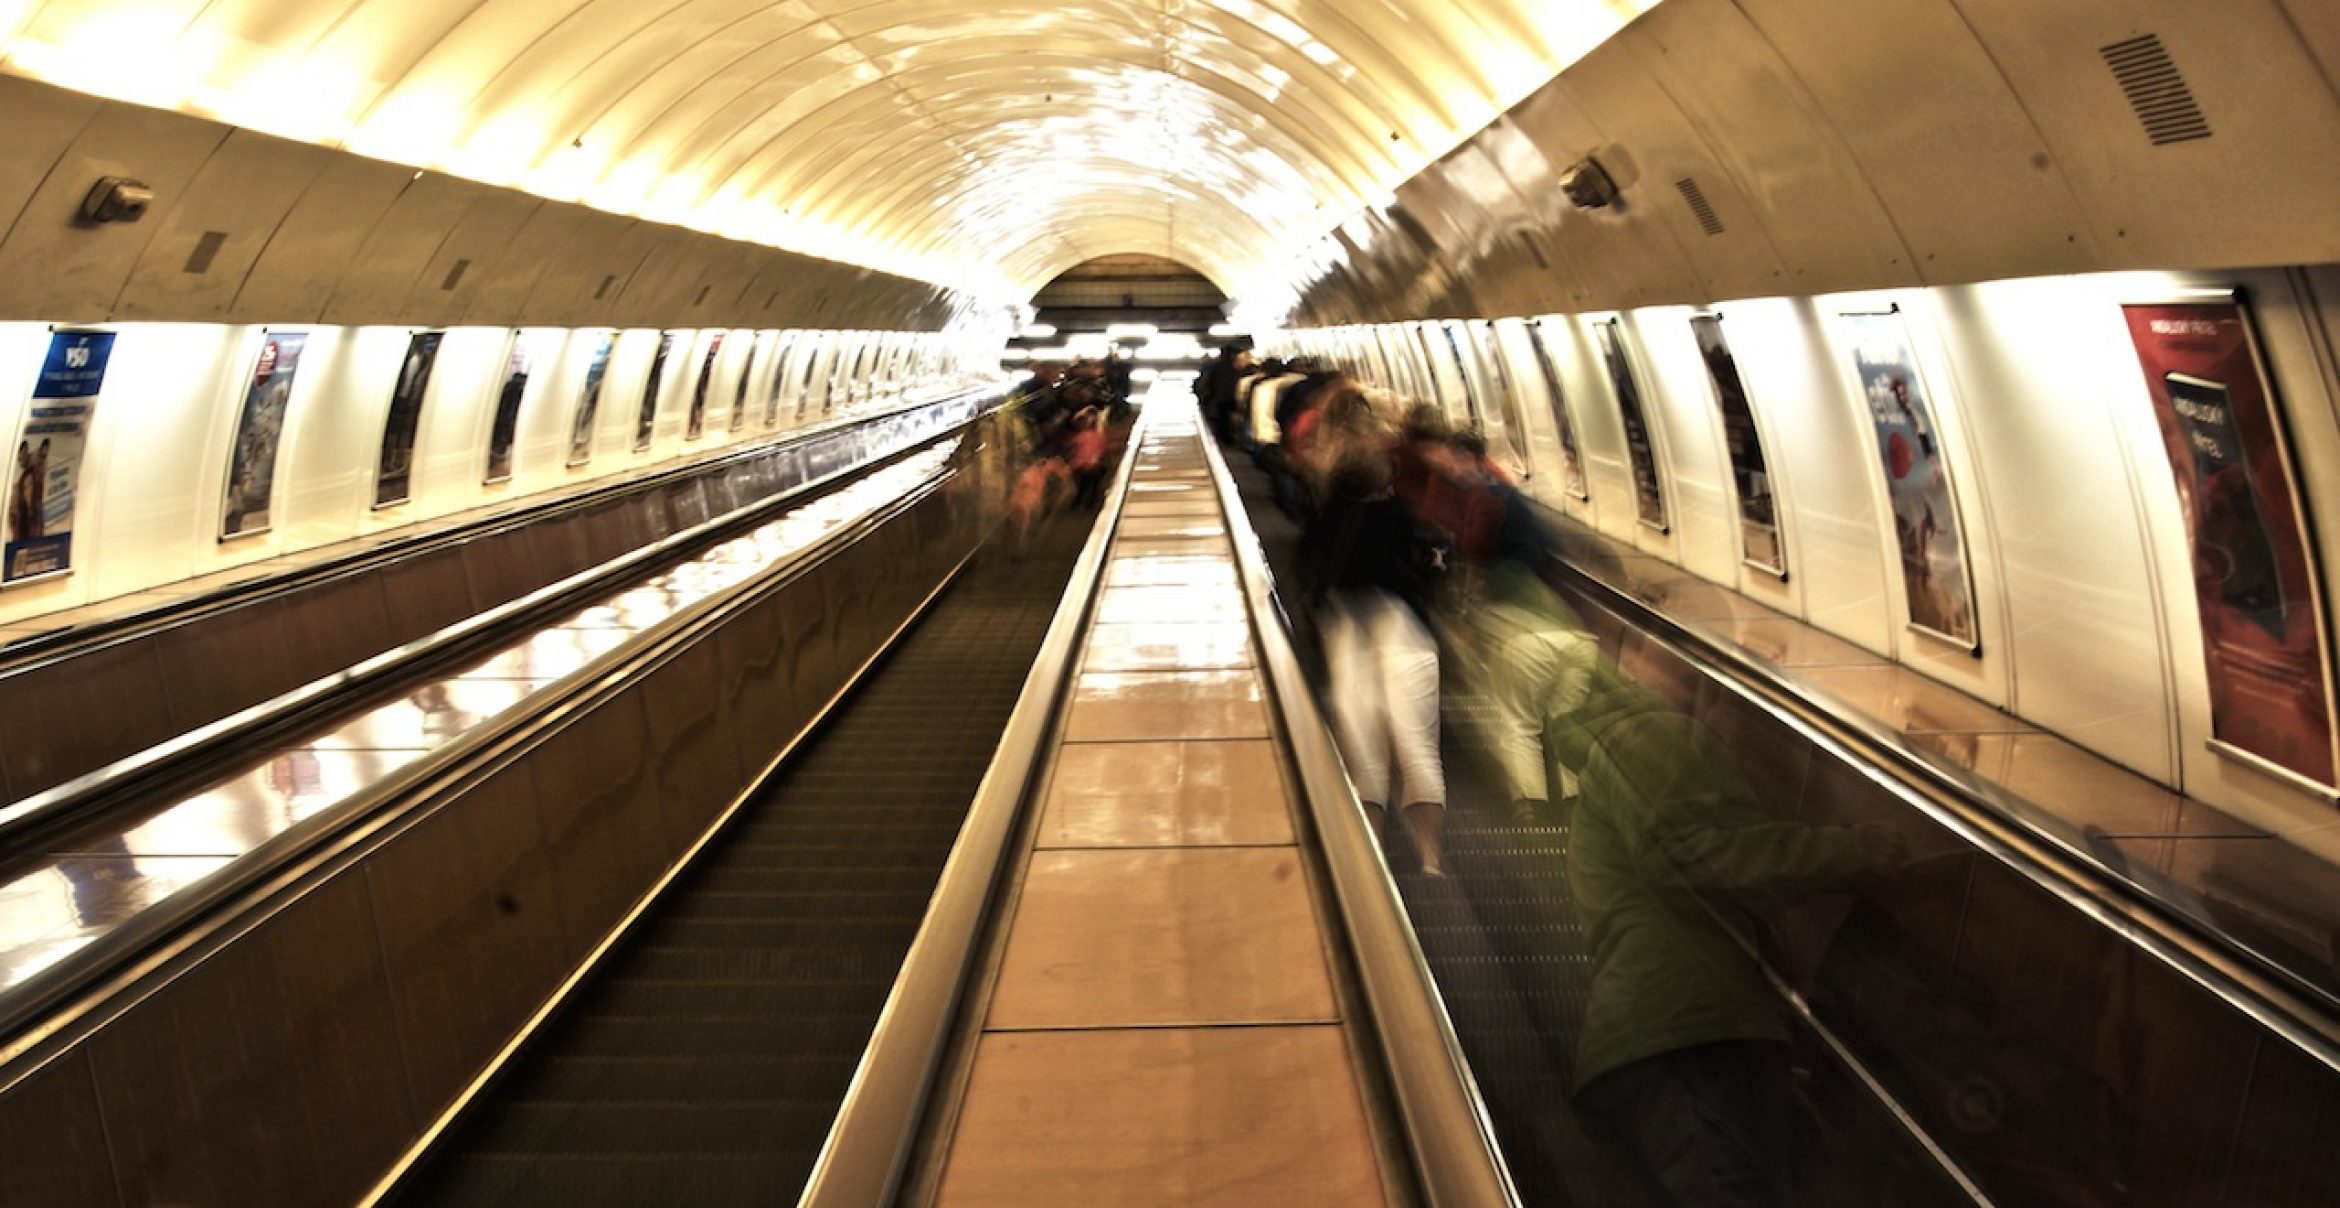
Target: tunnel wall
[152, 484]
[1799, 147]
[2082, 571]
[248, 228]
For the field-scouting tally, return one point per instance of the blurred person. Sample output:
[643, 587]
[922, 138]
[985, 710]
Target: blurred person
[1085, 451]
[1684, 1050]
[1365, 574]
[1531, 661]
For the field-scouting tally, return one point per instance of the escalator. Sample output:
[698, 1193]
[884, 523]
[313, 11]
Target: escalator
[704, 1061]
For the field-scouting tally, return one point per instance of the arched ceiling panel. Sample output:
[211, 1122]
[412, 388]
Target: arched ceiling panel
[987, 146]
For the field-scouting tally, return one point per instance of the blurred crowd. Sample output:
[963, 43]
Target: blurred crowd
[1426, 573]
[1068, 422]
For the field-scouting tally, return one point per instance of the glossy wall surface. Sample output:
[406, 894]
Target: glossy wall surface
[154, 476]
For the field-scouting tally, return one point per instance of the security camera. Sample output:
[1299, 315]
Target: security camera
[116, 199]
[1587, 185]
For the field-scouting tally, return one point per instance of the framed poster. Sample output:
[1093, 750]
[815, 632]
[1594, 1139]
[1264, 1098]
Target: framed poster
[251, 479]
[2254, 580]
[1462, 372]
[44, 479]
[648, 419]
[505, 428]
[1649, 491]
[697, 426]
[589, 402]
[1498, 376]
[781, 348]
[1759, 543]
[1926, 528]
[1572, 479]
[758, 353]
[394, 468]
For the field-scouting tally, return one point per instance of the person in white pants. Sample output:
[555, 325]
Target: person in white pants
[1365, 564]
[1384, 670]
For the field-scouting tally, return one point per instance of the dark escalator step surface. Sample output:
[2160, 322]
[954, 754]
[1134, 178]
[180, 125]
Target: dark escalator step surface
[705, 1062]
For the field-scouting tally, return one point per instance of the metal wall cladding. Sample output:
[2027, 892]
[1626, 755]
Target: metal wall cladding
[251, 228]
[1787, 147]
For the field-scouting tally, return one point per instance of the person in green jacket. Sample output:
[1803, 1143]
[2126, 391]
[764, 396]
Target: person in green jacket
[1684, 1046]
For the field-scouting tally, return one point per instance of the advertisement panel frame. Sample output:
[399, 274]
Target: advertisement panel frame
[1712, 322]
[1641, 439]
[1924, 423]
[44, 485]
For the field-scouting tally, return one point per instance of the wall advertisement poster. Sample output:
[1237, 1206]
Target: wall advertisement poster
[1759, 542]
[589, 402]
[394, 470]
[758, 354]
[781, 347]
[648, 418]
[2262, 628]
[251, 480]
[1572, 478]
[504, 429]
[45, 477]
[1498, 376]
[697, 426]
[1649, 493]
[1917, 479]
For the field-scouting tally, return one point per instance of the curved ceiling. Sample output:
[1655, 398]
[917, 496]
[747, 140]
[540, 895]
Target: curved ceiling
[984, 144]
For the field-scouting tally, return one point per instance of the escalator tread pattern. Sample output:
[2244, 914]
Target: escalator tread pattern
[704, 1063]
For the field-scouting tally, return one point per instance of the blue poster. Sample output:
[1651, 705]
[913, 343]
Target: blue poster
[589, 405]
[43, 479]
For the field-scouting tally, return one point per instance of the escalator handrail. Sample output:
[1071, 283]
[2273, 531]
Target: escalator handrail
[1985, 816]
[66, 642]
[80, 993]
[186, 757]
[1448, 1129]
[878, 1126]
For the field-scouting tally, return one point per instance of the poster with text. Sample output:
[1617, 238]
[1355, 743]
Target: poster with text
[589, 403]
[504, 429]
[1759, 542]
[43, 481]
[1649, 492]
[251, 481]
[394, 472]
[2262, 632]
[780, 351]
[697, 426]
[649, 415]
[1472, 408]
[1572, 478]
[1917, 479]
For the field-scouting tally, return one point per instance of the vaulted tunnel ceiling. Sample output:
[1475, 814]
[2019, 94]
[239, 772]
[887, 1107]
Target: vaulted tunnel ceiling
[985, 144]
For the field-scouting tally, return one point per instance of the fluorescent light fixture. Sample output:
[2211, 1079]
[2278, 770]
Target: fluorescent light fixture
[1129, 331]
[1036, 331]
[1223, 330]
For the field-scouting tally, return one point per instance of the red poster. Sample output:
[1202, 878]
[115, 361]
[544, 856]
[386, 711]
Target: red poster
[2262, 631]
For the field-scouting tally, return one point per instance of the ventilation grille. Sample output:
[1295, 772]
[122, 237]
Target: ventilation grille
[2164, 104]
[206, 250]
[454, 276]
[606, 282]
[1700, 207]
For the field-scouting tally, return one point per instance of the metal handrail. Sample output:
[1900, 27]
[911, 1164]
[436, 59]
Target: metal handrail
[99, 982]
[870, 1145]
[1982, 815]
[1448, 1130]
[72, 641]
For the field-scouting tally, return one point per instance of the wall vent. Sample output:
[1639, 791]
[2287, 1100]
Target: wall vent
[606, 282]
[2156, 90]
[701, 300]
[1700, 207]
[1535, 251]
[454, 276]
[206, 251]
